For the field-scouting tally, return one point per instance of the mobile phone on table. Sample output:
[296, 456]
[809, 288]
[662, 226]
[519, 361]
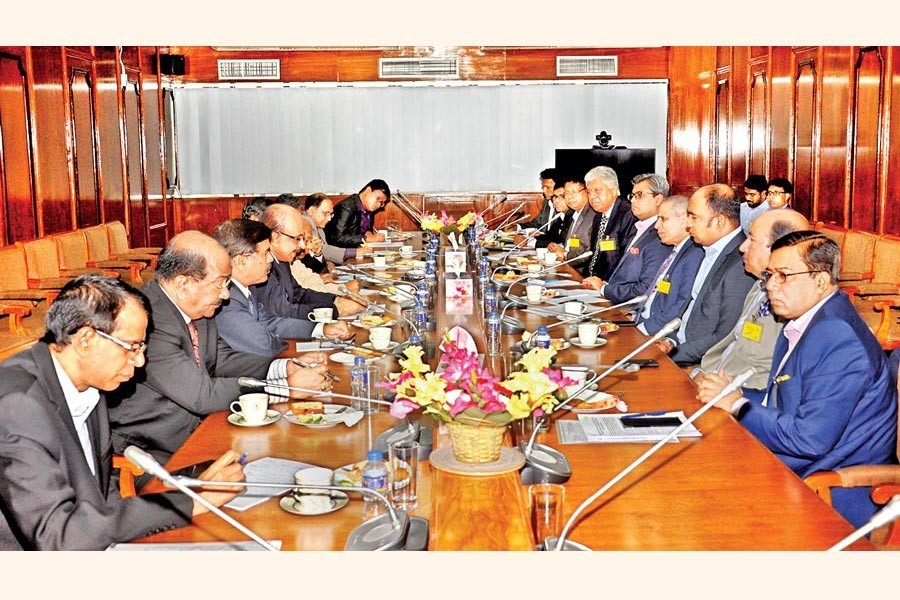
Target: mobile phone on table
[644, 362]
[650, 421]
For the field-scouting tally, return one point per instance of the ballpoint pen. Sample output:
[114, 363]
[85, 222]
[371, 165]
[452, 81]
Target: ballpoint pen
[242, 459]
[307, 365]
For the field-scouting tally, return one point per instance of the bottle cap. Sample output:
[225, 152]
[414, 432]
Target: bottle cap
[414, 339]
[375, 455]
[542, 329]
[359, 361]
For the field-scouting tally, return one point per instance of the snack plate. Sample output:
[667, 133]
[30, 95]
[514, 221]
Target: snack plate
[345, 358]
[330, 409]
[359, 323]
[351, 474]
[291, 503]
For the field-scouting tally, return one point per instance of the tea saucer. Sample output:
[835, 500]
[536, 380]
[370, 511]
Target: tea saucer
[271, 417]
[577, 342]
[328, 322]
[291, 503]
[390, 347]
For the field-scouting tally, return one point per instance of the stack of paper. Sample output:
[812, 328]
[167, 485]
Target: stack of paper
[604, 429]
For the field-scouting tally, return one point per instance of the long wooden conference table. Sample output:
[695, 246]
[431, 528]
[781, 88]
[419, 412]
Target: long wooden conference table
[723, 491]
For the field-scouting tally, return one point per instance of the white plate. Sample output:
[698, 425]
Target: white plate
[290, 504]
[390, 347]
[577, 342]
[345, 358]
[368, 292]
[330, 410]
[602, 404]
[271, 417]
[351, 474]
[359, 323]
[328, 322]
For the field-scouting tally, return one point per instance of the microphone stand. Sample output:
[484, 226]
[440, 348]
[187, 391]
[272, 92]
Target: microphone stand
[251, 382]
[530, 236]
[568, 319]
[734, 385]
[889, 513]
[145, 461]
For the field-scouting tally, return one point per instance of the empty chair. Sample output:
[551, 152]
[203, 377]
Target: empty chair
[857, 257]
[17, 299]
[833, 231]
[119, 247]
[71, 250]
[98, 255]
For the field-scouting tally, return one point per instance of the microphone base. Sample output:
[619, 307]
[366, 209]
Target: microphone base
[512, 326]
[544, 465]
[568, 545]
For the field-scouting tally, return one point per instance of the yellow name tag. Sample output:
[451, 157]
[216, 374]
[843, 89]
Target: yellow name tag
[607, 245]
[663, 286]
[752, 331]
[574, 242]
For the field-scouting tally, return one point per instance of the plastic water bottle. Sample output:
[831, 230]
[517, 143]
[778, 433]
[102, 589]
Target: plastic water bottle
[542, 337]
[493, 333]
[360, 386]
[423, 295]
[420, 317]
[490, 299]
[374, 477]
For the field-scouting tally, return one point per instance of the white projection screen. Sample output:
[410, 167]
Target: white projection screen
[419, 138]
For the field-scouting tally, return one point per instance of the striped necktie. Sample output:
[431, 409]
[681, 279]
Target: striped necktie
[601, 231]
[195, 341]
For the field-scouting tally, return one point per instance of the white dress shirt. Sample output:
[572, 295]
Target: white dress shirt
[81, 405]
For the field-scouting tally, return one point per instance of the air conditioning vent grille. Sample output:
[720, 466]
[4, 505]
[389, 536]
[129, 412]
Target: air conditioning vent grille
[236, 70]
[418, 68]
[587, 66]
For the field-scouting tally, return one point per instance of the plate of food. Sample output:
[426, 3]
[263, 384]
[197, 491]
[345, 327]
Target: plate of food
[347, 358]
[555, 343]
[316, 415]
[524, 261]
[592, 402]
[607, 327]
[351, 475]
[369, 321]
[314, 504]
[506, 277]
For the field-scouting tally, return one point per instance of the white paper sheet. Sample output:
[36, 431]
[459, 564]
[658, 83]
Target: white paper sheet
[266, 470]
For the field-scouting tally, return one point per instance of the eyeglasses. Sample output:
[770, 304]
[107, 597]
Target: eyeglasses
[134, 349]
[776, 193]
[574, 194]
[219, 286]
[780, 277]
[640, 194]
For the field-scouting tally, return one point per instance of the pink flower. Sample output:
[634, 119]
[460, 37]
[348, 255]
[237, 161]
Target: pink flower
[402, 407]
[493, 406]
[556, 377]
[459, 401]
[392, 385]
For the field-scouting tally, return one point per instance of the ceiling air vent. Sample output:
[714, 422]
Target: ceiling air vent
[231, 70]
[587, 66]
[418, 68]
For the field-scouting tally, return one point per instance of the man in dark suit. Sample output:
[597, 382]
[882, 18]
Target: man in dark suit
[243, 322]
[581, 217]
[549, 180]
[670, 290]
[830, 402]
[354, 217]
[191, 372]
[644, 253]
[556, 232]
[56, 490]
[613, 225]
[717, 296]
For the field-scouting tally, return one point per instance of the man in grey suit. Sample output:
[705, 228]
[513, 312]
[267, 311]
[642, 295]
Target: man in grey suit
[319, 210]
[577, 238]
[751, 343]
[191, 372]
[56, 490]
[614, 223]
[721, 284]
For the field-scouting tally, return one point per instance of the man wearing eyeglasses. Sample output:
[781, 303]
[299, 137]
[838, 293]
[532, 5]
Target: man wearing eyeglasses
[353, 222]
[581, 215]
[644, 253]
[191, 371]
[56, 490]
[830, 402]
[319, 211]
[780, 192]
[613, 225]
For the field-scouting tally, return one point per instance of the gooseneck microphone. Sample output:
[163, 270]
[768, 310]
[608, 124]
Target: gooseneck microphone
[569, 319]
[889, 513]
[250, 382]
[735, 384]
[530, 236]
[145, 461]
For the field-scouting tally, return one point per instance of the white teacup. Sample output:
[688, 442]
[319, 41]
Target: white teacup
[320, 314]
[550, 258]
[419, 264]
[406, 250]
[386, 234]
[534, 292]
[540, 253]
[380, 337]
[574, 307]
[252, 407]
[314, 476]
[579, 376]
[534, 267]
[587, 333]
[380, 261]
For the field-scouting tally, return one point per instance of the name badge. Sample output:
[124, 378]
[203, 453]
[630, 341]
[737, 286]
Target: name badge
[607, 245]
[574, 242]
[752, 331]
[663, 286]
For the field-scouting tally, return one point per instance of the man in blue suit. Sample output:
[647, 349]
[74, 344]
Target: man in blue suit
[643, 253]
[830, 402]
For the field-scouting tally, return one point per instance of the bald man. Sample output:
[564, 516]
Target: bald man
[191, 372]
[751, 343]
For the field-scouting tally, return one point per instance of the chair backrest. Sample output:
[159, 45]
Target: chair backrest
[72, 250]
[97, 242]
[886, 265]
[118, 237]
[858, 251]
[13, 274]
[41, 259]
[833, 231]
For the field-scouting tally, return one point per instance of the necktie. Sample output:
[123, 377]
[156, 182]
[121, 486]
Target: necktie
[251, 306]
[195, 341]
[601, 231]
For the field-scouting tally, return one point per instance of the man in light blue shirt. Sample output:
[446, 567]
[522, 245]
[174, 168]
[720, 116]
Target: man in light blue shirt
[755, 201]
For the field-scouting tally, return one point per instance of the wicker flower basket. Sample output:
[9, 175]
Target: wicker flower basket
[475, 443]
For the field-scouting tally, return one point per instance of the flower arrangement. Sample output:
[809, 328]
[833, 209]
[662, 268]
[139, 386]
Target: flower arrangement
[446, 224]
[469, 394]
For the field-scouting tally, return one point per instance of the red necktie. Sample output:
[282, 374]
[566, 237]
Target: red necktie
[195, 341]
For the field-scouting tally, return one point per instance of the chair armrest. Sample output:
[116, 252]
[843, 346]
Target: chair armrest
[855, 276]
[881, 494]
[127, 473]
[873, 289]
[850, 477]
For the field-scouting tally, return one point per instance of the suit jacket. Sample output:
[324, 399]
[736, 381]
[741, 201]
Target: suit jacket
[541, 218]
[680, 275]
[556, 233]
[49, 499]
[248, 326]
[620, 227]
[166, 400]
[747, 352]
[837, 408]
[718, 304]
[583, 229]
[343, 228]
[635, 272]
[284, 297]
[330, 253]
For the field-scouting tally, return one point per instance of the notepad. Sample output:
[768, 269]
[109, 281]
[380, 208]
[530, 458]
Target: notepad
[202, 546]
[609, 429]
[266, 470]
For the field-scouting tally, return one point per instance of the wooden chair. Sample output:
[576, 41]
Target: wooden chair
[16, 316]
[14, 282]
[883, 494]
[875, 299]
[833, 231]
[857, 257]
[97, 245]
[119, 247]
[42, 263]
[71, 250]
[127, 473]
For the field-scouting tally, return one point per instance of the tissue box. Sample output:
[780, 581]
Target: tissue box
[458, 293]
[454, 261]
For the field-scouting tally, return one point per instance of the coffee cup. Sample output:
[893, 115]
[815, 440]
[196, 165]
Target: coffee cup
[379, 260]
[534, 292]
[579, 376]
[574, 307]
[320, 315]
[540, 253]
[251, 407]
[550, 258]
[587, 333]
[314, 476]
[406, 250]
[534, 267]
[380, 337]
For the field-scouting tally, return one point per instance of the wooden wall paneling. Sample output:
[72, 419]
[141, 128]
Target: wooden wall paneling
[18, 214]
[691, 108]
[722, 136]
[757, 119]
[831, 195]
[134, 160]
[110, 135]
[739, 84]
[891, 221]
[868, 78]
[84, 142]
[540, 63]
[780, 113]
[156, 201]
[805, 130]
[50, 123]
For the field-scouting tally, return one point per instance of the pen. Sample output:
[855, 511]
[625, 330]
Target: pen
[655, 413]
[305, 364]
[242, 459]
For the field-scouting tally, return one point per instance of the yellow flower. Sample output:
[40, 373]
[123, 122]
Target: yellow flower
[466, 220]
[413, 362]
[431, 390]
[533, 384]
[537, 359]
[518, 407]
[431, 223]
